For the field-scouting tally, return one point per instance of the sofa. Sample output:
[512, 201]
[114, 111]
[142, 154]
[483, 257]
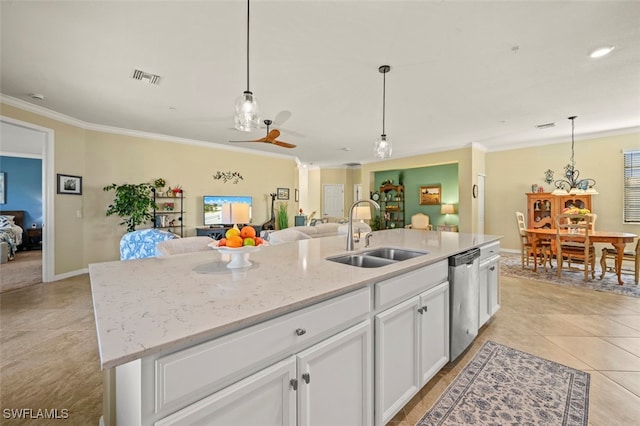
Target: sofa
[318, 231]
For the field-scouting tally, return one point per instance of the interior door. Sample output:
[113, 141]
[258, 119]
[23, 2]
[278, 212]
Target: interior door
[333, 200]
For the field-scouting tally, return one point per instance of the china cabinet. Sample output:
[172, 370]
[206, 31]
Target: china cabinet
[542, 207]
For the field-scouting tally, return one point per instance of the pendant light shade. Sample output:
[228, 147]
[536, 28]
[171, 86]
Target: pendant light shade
[382, 147]
[247, 111]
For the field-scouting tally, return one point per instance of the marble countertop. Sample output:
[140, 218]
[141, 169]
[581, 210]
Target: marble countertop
[146, 306]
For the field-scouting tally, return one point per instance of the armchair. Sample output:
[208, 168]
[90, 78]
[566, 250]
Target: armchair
[420, 221]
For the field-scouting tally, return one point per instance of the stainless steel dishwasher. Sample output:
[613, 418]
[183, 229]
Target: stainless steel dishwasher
[464, 275]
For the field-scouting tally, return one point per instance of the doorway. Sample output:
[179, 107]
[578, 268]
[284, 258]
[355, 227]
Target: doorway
[20, 138]
[333, 200]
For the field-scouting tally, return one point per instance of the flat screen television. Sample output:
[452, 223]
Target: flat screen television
[221, 209]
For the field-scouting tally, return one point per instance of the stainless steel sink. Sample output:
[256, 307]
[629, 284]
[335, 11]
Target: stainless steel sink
[377, 257]
[394, 253]
[362, 261]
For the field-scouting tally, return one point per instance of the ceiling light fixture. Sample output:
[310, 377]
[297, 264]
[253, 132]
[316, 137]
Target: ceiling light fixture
[601, 51]
[247, 111]
[382, 147]
[572, 184]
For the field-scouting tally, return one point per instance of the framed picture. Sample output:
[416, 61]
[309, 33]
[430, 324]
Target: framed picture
[68, 184]
[283, 193]
[3, 198]
[430, 195]
[297, 195]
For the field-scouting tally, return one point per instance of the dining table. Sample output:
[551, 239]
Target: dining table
[617, 239]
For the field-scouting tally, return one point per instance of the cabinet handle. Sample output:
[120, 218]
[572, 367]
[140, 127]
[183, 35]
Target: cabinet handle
[306, 378]
[300, 331]
[420, 310]
[493, 268]
[425, 308]
[294, 384]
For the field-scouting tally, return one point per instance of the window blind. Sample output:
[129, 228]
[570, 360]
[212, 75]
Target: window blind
[631, 186]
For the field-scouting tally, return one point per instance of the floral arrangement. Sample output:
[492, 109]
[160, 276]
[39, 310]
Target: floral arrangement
[575, 210]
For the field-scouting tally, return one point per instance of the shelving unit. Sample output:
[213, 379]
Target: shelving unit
[392, 206]
[169, 214]
[542, 207]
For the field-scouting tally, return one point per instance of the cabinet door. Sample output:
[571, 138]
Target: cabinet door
[397, 358]
[483, 296]
[334, 380]
[434, 331]
[265, 398]
[489, 289]
[493, 286]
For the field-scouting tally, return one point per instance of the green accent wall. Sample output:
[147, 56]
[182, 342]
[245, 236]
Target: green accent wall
[446, 175]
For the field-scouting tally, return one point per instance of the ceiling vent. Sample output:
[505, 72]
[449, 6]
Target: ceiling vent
[545, 125]
[353, 164]
[146, 77]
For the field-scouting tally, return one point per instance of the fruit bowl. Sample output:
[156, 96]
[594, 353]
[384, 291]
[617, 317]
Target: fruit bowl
[239, 255]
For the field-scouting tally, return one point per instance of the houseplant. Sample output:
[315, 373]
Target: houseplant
[133, 203]
[282, 216]
[158, 184]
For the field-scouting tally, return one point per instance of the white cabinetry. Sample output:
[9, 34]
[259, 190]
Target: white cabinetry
[412, 337]
[327, 384]
[489, 282]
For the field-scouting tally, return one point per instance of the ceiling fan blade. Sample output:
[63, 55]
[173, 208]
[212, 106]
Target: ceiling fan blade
[283, 144]
[273, 135]
[255, 140]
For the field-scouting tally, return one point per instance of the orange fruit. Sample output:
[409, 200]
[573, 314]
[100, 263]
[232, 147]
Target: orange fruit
[248, 231]
[234, 241]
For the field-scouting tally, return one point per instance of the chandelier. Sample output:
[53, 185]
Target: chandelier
[572, 183]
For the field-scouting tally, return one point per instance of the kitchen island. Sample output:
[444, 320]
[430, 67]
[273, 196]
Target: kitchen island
[185, 334]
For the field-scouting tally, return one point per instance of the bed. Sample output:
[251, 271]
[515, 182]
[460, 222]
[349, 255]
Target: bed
[12, 229]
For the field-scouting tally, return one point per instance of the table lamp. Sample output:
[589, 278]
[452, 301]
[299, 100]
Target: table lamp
[362, 213]
[447, 209]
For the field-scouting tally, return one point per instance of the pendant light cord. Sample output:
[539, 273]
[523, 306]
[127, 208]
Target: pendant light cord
[248, 14]
[384, 95]
[573, 126]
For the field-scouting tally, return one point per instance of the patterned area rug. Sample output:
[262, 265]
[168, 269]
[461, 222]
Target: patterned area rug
[511, 265]
[501, 386]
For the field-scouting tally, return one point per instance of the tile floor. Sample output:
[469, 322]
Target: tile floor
[49, 354]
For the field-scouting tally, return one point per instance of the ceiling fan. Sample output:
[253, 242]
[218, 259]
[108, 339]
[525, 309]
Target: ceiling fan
[271, 137]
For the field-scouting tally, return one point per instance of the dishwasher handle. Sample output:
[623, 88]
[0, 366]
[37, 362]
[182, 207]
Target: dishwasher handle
[464, 258]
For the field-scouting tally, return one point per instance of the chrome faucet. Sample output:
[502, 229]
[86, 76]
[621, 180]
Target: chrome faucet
[350, 241]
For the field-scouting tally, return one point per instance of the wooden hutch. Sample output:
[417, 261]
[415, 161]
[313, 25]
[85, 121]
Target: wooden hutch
[542, 207]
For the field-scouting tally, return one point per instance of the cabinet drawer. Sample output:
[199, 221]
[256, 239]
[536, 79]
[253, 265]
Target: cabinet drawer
[410, 284]
[489, 250]
[187, 375]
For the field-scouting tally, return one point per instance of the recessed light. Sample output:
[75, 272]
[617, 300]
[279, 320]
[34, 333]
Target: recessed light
[346, 148]
[36, 96]
[601, 51]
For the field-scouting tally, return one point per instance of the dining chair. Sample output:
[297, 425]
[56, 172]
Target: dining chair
[526, 248]
[572, 243]
[631, 256]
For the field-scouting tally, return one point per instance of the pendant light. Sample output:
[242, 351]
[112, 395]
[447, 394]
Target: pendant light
[247, 111]
[382, 147]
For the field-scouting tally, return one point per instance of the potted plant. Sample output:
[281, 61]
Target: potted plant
[158, 184]
[282, 216]
[133, 203]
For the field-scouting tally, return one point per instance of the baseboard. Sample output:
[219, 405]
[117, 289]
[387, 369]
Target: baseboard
[70, 274]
